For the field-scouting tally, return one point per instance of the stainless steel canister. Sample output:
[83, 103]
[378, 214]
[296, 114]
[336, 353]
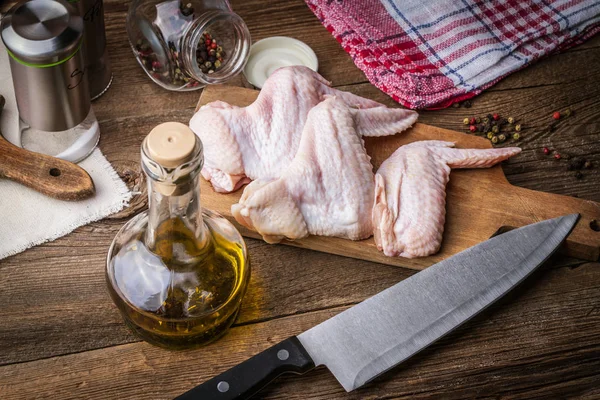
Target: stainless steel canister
[94, 46]
[43, 39]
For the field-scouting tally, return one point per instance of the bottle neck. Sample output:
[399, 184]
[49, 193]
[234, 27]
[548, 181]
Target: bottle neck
[176, 231]
[174, 214]
[232, 35]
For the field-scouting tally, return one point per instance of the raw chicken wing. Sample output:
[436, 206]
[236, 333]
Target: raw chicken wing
[410, 194]
[328, 187]
[259, 141]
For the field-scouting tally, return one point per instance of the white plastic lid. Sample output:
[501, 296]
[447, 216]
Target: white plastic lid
[275, 52]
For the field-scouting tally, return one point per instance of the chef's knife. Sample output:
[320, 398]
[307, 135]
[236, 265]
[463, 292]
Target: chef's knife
[368, 339]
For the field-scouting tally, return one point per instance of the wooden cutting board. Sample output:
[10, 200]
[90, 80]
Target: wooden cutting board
[480, 202]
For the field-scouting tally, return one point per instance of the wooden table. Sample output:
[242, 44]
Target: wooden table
[61, 337]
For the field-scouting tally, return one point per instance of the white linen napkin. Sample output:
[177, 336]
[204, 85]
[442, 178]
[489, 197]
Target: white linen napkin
[28, 218]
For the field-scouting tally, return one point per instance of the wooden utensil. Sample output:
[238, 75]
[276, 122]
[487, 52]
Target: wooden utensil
[480, 202]
[51, 176]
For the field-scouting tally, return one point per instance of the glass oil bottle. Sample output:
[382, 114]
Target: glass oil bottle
[177, 273]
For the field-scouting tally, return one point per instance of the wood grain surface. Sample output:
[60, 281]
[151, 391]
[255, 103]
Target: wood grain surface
[469, 221]
[61, 336]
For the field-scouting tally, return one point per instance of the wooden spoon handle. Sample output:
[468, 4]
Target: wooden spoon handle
[48, 175]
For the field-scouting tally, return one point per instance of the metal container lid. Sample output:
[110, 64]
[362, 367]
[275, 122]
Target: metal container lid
[42, 33]
[267, 55]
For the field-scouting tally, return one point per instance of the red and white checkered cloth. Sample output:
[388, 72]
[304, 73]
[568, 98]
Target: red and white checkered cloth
[430, 54]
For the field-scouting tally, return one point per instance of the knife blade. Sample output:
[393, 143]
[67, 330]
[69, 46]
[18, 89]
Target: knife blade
[377, 334]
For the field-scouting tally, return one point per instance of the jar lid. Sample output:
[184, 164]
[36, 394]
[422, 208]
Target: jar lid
[171, 144]
[275, 52]
[42, 33]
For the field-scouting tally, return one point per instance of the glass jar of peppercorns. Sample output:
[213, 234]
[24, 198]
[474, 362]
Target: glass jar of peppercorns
[187, 44]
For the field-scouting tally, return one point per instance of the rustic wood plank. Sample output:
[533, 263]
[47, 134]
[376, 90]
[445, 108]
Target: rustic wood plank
[539, 342]
[74, 313]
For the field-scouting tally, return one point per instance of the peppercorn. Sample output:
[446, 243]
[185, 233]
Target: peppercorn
[220, 49]
[490, 135]
[473, 128]
[495, 129]
[455, 105]
[496, 117]
[467, 103]
[207, 42]
[546, 151]
[495, 139]
[576, 163]
[217, 64]
[187, 10]
[501, 137]
[516, 136]
[556, 115]
[511, 120]
[478, 120]
[568, 112]
[466, 121]
[552, 126]
[210, 71]
[212, 52]
[578, 175]
[472, 121]
[588, 165]
[208, 64]
[486, 120]
[557, 156]
[518, 127]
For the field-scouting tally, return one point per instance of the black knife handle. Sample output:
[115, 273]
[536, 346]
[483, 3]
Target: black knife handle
[247, 378]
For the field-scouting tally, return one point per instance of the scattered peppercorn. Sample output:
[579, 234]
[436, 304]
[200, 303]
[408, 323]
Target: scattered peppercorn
[478, 120]
[490, 135]
[546, 151]
[576, 163]
[516, 136]
[578, 175]
[557, 156]
[466, 120]
[552, 126]
[518, 127]
[556, 115]
[568, 112]
[495, 129]
[472, 121]
[187, 9]
[486, 120]
[455, 105]
[473, 128]
[495, 139]
[511, 120]
[467, 103]
[501, 137]
[588, 165]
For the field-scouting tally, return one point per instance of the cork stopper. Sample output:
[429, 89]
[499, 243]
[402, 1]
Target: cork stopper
[171, 144]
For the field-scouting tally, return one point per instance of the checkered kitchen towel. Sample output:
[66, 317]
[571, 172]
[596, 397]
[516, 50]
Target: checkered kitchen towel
[432, 53]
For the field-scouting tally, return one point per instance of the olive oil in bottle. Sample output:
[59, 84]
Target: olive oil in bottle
[177, 273]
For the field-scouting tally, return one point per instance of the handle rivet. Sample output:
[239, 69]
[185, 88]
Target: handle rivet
[222, 386]
[283, 354]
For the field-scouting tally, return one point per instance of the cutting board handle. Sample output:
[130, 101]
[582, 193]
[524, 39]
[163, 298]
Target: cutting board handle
[533, 206]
